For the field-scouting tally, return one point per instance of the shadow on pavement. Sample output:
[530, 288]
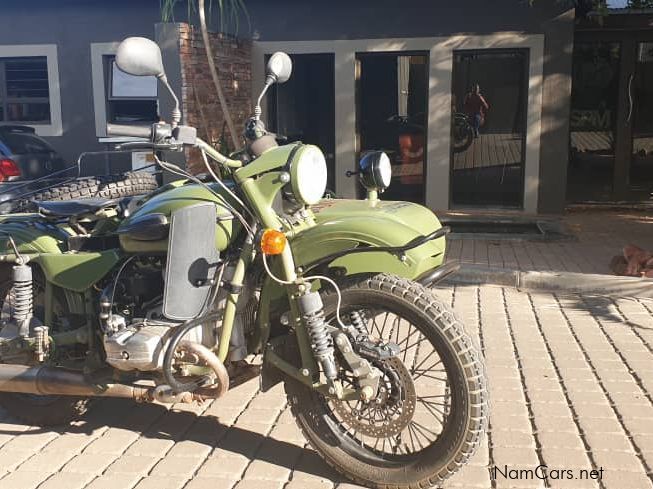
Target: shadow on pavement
[155, 421]
[603, 309]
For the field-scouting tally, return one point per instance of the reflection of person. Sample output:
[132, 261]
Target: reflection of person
[475, 107]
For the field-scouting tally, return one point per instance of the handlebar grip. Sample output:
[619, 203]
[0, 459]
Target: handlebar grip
[129, 130]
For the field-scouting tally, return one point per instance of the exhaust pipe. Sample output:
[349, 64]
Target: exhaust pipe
[57, 381]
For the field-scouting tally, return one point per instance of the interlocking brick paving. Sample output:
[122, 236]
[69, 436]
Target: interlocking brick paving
[570, 388]
[601, 234]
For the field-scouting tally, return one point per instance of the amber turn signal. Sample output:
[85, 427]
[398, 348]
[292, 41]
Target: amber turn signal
[273, 242]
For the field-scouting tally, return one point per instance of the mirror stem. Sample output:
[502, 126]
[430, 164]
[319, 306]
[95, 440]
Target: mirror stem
[269, 81]
[176, 111]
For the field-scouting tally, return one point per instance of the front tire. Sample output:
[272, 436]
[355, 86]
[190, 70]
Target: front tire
[463, 422]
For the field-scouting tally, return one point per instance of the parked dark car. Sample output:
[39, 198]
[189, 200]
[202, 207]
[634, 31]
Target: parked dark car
[25, 157]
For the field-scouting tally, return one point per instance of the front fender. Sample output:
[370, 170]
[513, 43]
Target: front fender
[349, 224]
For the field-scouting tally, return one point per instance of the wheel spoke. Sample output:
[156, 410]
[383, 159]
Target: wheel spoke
[387, 425]
[433, 411]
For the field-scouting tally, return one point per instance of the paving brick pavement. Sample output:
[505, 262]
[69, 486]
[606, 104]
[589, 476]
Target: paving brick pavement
[570, 386]
[601, 234]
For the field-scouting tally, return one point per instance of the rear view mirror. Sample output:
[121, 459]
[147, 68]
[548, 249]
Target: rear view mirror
[139, 56]
[279, 67]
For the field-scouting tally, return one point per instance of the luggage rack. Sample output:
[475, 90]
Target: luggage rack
[78, 166]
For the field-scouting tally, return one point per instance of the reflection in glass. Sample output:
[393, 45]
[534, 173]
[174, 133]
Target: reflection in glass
[641, 118]
[595, 78]
[392, 106]
[303, 108]
[488, 104]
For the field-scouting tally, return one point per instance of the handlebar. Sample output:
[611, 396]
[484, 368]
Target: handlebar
[129, 131]
[174, 140]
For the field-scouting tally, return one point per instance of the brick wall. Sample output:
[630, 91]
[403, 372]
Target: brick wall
[233, 61]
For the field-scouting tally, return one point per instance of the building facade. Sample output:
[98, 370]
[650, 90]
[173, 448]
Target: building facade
[471, 99]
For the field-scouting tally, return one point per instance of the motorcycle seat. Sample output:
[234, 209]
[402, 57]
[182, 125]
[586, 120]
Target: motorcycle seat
[74, 208]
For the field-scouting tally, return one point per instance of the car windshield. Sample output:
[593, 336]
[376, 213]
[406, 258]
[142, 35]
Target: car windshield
[21, 143]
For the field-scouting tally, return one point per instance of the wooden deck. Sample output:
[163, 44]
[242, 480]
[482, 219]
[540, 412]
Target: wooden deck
[603, 142]
[490, 150]
[592, 141]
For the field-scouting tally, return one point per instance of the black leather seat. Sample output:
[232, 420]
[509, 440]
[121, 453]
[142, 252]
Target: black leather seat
[72, 208]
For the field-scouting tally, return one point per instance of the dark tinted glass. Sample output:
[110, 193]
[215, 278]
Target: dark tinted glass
[27, 78]
[488, 118]
[392, 101]
[593, 120]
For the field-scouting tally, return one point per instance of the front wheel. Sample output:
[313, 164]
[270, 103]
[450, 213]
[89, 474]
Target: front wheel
[431, 409]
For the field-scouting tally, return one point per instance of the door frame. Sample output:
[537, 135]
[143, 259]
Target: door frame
[524, 116]
[358, 57]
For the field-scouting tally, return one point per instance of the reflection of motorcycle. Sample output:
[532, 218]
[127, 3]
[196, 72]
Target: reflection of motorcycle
[463, 132]
[151, 298]
[410, 139]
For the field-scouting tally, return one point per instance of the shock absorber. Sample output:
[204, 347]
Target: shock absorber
[312, 312]
[358, 321]
[22, 296]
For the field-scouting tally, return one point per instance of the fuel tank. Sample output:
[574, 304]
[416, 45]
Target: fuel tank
[145, 231]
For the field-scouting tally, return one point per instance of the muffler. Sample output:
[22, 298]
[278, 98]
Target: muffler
[57, 381]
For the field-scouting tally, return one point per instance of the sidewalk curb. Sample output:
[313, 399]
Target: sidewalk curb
[569, 282]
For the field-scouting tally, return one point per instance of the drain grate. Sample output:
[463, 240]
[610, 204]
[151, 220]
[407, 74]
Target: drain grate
[519, 229]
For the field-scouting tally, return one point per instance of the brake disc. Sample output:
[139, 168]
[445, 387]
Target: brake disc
[390, 412]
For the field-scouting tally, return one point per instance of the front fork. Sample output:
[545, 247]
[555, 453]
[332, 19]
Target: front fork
[318, 342]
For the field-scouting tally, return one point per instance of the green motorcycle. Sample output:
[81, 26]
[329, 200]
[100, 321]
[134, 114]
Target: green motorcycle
[161, 297]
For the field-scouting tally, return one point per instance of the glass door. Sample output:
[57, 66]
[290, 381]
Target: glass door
[391, 108]
[640, 118]
[488, 127]
[593, 122]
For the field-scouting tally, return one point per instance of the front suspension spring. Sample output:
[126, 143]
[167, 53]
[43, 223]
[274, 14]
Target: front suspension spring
[316, 327]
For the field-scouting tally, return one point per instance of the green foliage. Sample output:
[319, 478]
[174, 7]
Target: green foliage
[230, 12]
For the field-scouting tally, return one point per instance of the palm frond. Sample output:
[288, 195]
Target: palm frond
[230, 12]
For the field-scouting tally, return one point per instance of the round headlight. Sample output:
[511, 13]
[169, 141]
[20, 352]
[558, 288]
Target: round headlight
[375, 170]
[308, 175]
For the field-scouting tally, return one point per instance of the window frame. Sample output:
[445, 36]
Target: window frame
[49, 52]
[101, 78]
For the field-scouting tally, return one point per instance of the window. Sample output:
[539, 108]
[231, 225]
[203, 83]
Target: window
[24, 90]
[129, 99]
